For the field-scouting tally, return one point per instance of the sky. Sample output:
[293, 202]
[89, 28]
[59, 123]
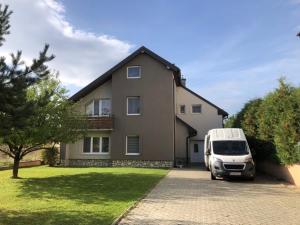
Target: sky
[229, 51]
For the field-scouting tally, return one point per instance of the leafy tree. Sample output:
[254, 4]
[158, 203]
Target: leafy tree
[230, 121]
[272, 124]
[34, 110]
[249, 121]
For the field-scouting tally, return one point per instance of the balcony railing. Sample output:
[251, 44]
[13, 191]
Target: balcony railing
[100, 123]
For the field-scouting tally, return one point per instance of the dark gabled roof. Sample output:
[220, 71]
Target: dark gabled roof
[107, 75]
[142, 50]
[192, 131]
[220, 111]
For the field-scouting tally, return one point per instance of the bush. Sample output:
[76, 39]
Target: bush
[272, 124]
[50, 156]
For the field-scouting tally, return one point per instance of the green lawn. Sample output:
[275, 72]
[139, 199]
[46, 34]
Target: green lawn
[72, 196]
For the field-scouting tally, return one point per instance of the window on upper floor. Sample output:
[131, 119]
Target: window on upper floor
[133, 105]
[99, 107]
[196, 108]
[182, 109]
[96, 145]
[89, 109]
[133, 72]
[132, 145]
[105, 107]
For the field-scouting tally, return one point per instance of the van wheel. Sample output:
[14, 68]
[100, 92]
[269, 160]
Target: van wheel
[212, 177]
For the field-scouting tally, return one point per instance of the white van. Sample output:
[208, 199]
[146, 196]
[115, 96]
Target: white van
[226, 154]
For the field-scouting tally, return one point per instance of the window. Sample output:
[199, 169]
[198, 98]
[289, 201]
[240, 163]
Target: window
[105, 144]
[196, 108]
[87, 145]
[105, 107]
[182, 109]
[98, 107]
[89, 108]
[196, 148]
[133, 106]
[133, 72]
[96, 145]
[132, 145]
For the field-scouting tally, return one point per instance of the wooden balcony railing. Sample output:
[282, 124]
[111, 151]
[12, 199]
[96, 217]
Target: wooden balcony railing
[100, 123]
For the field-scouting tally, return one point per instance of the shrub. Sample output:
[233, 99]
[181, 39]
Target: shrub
[272, 124]
[50, 156]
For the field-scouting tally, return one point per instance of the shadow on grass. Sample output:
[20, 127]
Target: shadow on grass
[9, 217]
[90, 187]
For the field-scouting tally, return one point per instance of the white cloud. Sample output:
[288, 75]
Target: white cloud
[80, 56]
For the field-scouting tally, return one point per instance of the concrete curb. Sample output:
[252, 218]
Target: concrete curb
[127, 211]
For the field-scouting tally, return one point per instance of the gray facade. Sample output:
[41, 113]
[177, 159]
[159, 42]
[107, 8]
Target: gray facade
[163, 134]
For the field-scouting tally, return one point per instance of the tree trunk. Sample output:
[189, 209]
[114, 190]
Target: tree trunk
[16, 167]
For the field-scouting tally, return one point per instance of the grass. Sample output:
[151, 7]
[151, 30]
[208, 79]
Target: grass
[72, 196]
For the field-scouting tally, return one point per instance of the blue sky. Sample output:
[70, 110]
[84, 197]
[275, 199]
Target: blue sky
[229, 51]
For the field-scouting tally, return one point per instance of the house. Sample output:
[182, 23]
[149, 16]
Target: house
[141, 114]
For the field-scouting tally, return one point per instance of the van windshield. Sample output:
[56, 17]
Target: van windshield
[230, 148]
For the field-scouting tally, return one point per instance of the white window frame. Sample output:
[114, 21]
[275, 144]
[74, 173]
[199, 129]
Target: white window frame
[196, 112]
[180, 109]
[100, 146]
[93, 108]
[140, 72]
[105, 153]
[100, 107]
[132, 114]
[128, 153]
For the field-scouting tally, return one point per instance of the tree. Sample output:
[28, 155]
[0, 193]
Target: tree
[230, 121]
[34, 112]
[4, 22]
[272, 124]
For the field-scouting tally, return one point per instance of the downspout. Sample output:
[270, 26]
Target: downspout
[187, 145]
[192, 132]
[174, 132]
[187, 149]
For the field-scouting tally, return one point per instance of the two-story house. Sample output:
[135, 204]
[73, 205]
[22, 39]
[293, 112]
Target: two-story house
[142, 114]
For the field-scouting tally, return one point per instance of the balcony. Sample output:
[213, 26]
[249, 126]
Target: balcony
[100, 123]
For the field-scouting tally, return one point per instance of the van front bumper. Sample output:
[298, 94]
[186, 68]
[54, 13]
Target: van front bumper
[220, 171]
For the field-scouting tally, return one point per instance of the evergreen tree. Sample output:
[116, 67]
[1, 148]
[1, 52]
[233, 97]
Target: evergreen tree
[34, 110]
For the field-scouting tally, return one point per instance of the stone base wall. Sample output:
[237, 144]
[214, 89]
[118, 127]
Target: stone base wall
[143, 163]
[118, 163]
[90, 162]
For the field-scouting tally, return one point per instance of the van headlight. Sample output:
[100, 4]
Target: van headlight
[218, 164]
[249, 161]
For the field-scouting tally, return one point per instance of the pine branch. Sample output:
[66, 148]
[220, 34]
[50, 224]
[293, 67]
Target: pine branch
[4, 22]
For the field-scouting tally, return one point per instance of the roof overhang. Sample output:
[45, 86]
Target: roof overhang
[107, 75]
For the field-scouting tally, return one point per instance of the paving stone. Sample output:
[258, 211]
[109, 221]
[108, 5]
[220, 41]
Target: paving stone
[188, 196]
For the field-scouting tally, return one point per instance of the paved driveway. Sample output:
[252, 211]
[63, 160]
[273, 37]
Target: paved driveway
[188, 196]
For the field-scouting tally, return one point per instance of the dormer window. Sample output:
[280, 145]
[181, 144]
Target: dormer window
[133, 72]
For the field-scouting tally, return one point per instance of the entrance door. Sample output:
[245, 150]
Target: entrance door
[197, 151]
